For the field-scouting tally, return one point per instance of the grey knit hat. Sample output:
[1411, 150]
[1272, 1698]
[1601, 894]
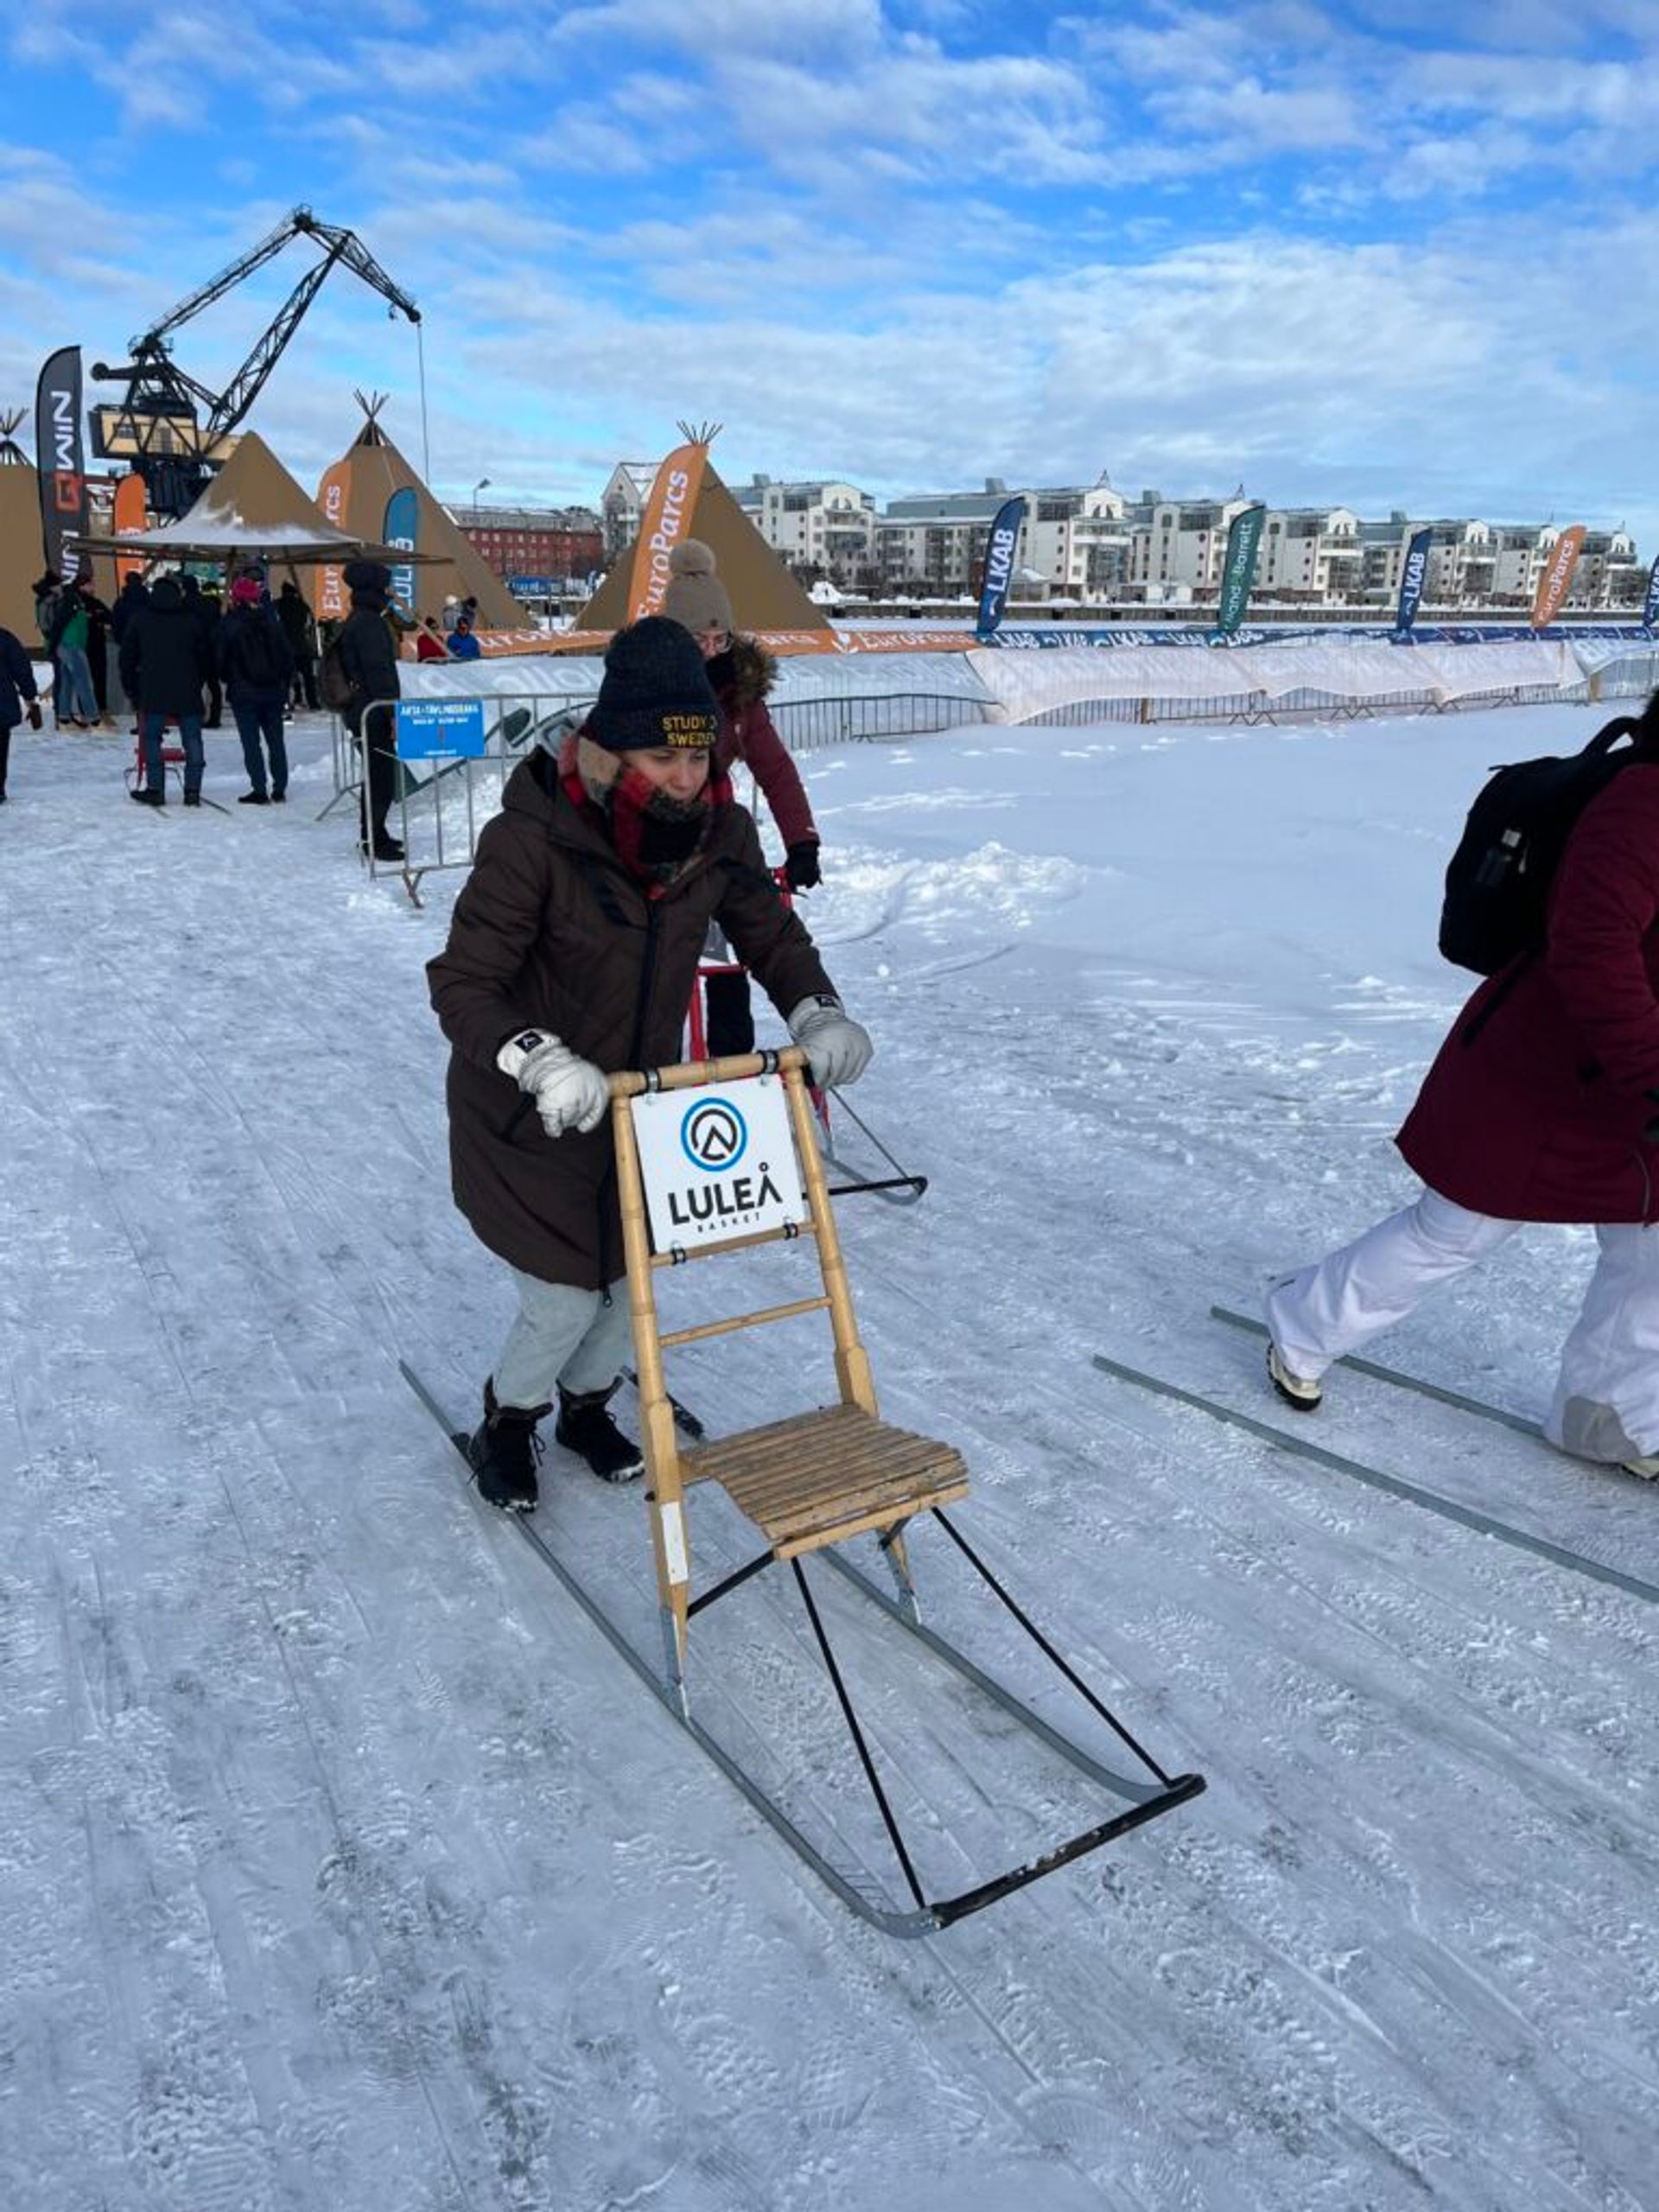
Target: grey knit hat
[695, 595]
[654, 692]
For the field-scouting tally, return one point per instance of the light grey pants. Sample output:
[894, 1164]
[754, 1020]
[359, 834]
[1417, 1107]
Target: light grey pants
[1606, 1400]
[561, 1338]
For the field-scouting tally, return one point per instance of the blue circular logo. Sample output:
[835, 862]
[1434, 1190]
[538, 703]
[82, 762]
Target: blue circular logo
[713, 1136]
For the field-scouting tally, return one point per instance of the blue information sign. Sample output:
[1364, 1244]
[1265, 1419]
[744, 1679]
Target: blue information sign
[430, 729]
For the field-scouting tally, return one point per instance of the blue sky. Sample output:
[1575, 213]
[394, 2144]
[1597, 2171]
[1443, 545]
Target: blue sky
[1396, 255]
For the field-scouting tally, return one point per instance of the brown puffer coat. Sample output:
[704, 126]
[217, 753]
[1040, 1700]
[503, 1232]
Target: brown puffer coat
[552, 933]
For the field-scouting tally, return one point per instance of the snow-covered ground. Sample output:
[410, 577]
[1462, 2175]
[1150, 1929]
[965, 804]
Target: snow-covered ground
[343, 1865]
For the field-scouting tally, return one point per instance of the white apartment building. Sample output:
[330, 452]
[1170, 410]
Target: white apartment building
[1178, 545]
[622, 503]
[820, 524]
[1092, 544]
[1310, 553]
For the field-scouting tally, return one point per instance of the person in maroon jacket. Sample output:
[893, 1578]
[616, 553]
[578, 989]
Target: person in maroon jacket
[743, 673]
[1542, 1105]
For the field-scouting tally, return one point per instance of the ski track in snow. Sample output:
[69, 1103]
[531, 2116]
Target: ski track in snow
[344, 1868]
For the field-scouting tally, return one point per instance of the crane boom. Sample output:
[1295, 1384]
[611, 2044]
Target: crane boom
[170, 426]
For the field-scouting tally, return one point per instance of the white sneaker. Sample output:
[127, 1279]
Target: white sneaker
[1647, 1468]
[1305, 1397]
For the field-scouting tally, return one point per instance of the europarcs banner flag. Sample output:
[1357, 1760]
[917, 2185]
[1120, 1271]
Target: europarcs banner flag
[1558, 574]
[1000, 549]
[1650, 604]
[664, 524]
[1413, 574]
[1238, 569]
[60, 460]
[402, 528]
[334, 498]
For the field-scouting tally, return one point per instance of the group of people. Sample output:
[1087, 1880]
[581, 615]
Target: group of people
[169, 658]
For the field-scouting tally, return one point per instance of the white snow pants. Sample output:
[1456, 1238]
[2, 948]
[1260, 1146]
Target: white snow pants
[1606, 1401]
[561, 1338]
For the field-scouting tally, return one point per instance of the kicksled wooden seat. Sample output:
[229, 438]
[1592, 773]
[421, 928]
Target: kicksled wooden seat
[818, 1478]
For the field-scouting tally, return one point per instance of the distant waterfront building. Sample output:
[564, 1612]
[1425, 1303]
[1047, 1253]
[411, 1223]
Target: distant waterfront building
[1094, 545]
[551, 544]
[820, 525]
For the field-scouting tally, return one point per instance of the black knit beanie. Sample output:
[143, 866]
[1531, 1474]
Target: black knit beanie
[654, 692]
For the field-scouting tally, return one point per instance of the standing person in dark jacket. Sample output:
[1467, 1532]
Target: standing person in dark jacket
[205, 609]
[571, 954]
[99, 657]
[742, 674]
[164, 666]
[257, 665]
[300, 631]
[132, 596]
[17, 686]
[369, 658]
[1542, 1105]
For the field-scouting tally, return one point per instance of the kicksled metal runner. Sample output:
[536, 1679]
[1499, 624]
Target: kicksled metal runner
[731, 1167]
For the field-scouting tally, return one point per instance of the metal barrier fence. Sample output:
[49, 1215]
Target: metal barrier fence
[1618, 681]
[439, 806]
[804, 724]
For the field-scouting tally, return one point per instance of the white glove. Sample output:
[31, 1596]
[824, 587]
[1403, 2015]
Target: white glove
[570, 1093]
[837, 1050]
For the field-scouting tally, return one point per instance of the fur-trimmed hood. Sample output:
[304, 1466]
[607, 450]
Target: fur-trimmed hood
[744, 673]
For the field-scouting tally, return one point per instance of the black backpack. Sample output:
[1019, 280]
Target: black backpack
[1497, 885]
[262, 654]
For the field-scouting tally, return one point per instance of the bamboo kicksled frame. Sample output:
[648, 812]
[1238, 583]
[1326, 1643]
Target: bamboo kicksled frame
[810, 1483]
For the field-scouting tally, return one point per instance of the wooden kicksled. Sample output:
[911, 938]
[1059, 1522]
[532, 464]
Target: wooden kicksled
[696, 1175]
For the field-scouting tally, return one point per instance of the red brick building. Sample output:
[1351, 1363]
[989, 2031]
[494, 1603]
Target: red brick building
[541, 545]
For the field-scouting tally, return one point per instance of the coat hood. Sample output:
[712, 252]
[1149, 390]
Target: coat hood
[745, 671]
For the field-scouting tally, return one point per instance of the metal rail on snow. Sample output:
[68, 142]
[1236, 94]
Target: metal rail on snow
[1430, 1501]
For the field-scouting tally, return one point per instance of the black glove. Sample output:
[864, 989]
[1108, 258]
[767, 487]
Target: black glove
[801, 869]
[33, 714]
[1651, 1133]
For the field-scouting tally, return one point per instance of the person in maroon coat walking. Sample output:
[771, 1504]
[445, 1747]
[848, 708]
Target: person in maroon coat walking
[1542, 1105]
[743, 673]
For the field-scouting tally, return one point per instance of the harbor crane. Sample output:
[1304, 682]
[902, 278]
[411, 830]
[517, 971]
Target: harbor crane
[171, 429]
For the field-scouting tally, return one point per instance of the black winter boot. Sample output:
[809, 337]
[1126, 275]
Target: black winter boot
[585, 1427]
[504, 1452]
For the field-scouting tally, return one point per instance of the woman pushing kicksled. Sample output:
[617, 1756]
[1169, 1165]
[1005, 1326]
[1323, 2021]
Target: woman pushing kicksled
[571, 957]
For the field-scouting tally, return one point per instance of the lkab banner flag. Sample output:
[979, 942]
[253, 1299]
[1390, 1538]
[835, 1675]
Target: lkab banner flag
[402, 529]
[1238, 570]
[1650, 604]
[1414, 573]
[1558, 574]
[1000, 549]
[333, 496]
[59, 458]
[664, 524]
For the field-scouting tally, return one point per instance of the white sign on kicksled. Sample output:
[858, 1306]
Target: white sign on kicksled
[717, 1163]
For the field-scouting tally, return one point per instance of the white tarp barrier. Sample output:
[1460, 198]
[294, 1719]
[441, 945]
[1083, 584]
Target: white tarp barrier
[808, 676]
[1347, 669]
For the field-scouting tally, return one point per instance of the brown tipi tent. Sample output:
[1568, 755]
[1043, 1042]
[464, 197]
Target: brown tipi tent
[765, 596]
[22, 548]
[356, 492]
